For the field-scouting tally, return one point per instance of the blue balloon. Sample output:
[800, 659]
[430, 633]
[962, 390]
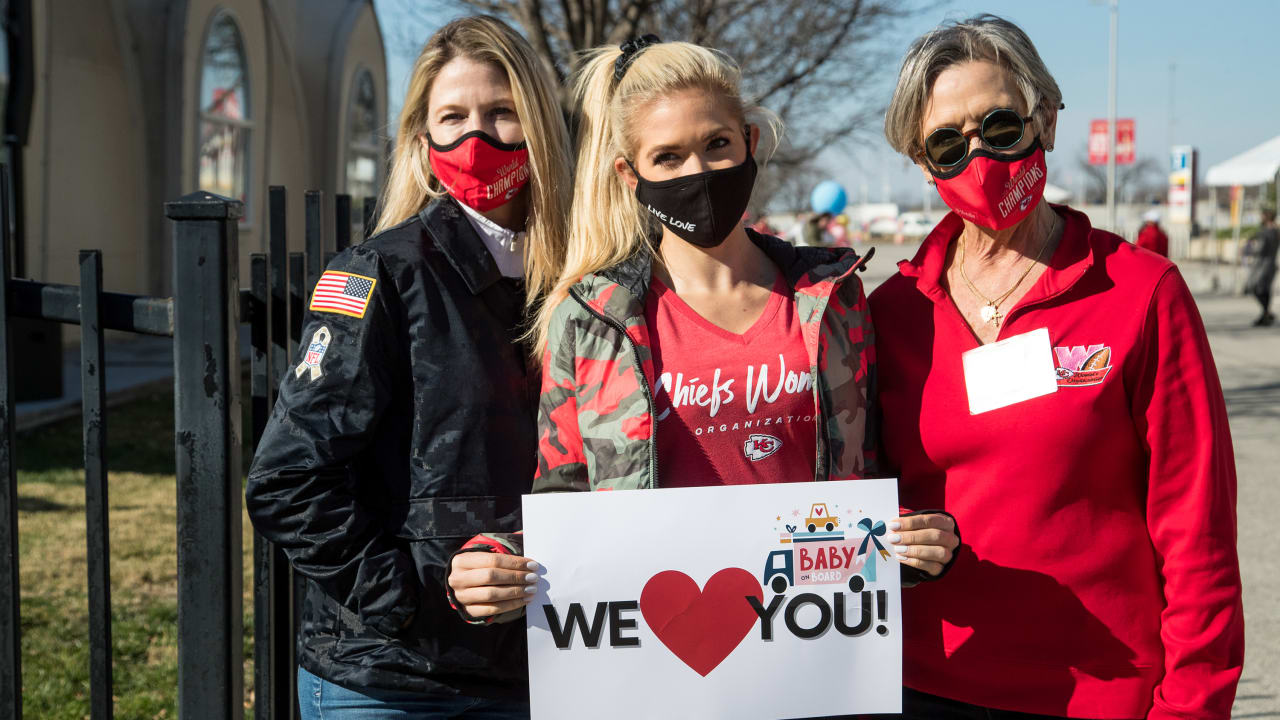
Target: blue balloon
[828, 196]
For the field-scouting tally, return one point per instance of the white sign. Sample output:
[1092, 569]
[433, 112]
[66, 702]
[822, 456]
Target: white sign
[1005, 373]
[1182, 184]
[749, 601]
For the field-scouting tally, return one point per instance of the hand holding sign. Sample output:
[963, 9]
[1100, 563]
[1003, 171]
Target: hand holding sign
[926, 541]
[488, 583]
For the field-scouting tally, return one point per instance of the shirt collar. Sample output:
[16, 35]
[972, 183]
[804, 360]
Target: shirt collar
[506, 246]
[1073, 257]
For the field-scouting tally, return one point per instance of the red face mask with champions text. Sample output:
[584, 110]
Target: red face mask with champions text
[996, 191]
[480, 171]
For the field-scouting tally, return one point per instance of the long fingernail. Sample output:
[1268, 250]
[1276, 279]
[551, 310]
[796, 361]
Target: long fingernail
[533, 566]
[895, 525]
[902, 550]
[895, 539]
[530, 589]
[531, 578]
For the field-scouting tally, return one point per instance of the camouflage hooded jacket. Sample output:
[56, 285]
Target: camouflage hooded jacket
[595, 417]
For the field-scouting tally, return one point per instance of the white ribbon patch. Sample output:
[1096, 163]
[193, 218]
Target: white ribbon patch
[315, 353]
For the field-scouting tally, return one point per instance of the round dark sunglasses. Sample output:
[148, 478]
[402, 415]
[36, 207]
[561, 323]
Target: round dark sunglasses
[1001, 129]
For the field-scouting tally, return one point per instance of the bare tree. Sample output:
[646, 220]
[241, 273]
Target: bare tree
[821, 66]
[1139, 181]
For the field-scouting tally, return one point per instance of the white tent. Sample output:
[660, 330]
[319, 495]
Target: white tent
[1252, 167]
[1055, 194]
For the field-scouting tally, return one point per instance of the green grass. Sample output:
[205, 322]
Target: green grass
[1246, 231]
[143, 536]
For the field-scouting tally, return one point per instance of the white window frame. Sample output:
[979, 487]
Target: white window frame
[246, 126]
[354, 149]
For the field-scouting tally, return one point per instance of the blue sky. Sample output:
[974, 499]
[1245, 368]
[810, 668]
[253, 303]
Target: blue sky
[1226, 81]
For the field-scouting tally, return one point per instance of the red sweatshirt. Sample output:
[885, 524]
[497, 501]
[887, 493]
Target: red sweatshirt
[1098, 576]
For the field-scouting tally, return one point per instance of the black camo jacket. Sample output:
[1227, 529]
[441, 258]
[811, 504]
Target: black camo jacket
[412, 433]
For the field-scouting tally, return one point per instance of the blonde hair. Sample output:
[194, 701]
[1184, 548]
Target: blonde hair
[982, 37]
[606, 223]
[412, 185]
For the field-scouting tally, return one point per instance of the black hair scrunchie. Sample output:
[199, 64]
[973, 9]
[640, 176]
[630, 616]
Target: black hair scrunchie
[630, 49]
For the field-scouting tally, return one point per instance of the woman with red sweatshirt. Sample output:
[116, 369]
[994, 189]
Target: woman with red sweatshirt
[1051, 386]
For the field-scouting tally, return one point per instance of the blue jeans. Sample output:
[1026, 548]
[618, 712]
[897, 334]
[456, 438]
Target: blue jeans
[319, 699]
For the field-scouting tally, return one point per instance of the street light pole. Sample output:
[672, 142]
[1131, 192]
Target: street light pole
[1111, 122]
[1173, 96]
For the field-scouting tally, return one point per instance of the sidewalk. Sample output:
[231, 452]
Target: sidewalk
[135, 365]
[1250, 373]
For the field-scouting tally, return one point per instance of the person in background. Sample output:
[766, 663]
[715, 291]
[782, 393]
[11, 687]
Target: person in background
[1260, 255]
[409, 423]
[838, 231]
[1052, 387]
[1150, 236]
[814, 230]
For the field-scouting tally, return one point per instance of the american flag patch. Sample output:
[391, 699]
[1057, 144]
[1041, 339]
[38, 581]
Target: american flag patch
[342, 293]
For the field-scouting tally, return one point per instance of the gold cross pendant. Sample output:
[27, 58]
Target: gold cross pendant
[990, 314]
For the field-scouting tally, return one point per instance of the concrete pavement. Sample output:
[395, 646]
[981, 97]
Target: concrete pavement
[1248, 361]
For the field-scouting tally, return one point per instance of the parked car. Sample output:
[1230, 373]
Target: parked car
[915, 224]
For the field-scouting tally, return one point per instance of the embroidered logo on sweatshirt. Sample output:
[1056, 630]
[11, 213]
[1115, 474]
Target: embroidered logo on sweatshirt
[1081, 366]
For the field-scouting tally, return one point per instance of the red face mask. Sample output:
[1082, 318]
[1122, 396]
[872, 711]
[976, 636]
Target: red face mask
[996, 191]
[479, 171]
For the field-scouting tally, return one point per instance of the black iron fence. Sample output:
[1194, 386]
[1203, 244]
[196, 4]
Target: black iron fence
[203, 317]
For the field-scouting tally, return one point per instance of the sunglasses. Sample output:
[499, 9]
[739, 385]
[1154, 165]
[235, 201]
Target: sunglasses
[1001, 129]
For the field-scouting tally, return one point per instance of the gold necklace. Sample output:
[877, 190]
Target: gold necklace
[990, 312]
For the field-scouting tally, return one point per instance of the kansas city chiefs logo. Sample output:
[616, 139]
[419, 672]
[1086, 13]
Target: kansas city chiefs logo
[759, 447]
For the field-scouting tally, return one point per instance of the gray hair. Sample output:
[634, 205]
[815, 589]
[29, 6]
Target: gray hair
[982, 37]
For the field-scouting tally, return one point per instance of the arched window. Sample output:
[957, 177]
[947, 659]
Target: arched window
[224, 122]
[364, 151]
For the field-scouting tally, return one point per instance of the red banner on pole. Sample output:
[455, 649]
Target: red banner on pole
[1098, 142]
[1126, 145]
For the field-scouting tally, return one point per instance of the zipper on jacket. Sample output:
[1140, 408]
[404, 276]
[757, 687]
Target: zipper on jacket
[644, 384]
[820, 419]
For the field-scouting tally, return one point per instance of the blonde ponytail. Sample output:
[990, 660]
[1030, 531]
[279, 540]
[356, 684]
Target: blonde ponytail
[606, 223]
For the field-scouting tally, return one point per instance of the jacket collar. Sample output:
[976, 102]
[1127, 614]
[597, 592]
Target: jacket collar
[1071, 260]
[803, 268]
[457, 239]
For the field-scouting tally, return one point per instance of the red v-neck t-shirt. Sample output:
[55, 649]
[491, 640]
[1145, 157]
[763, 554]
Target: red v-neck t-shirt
[732, 408]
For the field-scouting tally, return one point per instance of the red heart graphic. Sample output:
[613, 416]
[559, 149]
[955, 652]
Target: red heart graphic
[701, 627]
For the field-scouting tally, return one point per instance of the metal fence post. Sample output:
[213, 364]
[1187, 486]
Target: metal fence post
[10, 627]
[342, 222]
[263, 392]
[299, 296]
[283, 676]
[207, 427]
[370, 216]
[93, 398]
[278, 261]
[313, 238]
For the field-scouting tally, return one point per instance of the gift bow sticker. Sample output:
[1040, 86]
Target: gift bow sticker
[874, 533]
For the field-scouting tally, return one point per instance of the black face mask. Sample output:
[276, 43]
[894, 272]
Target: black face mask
[703, 208]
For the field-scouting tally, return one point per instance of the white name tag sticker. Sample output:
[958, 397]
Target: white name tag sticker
[1010, 371]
